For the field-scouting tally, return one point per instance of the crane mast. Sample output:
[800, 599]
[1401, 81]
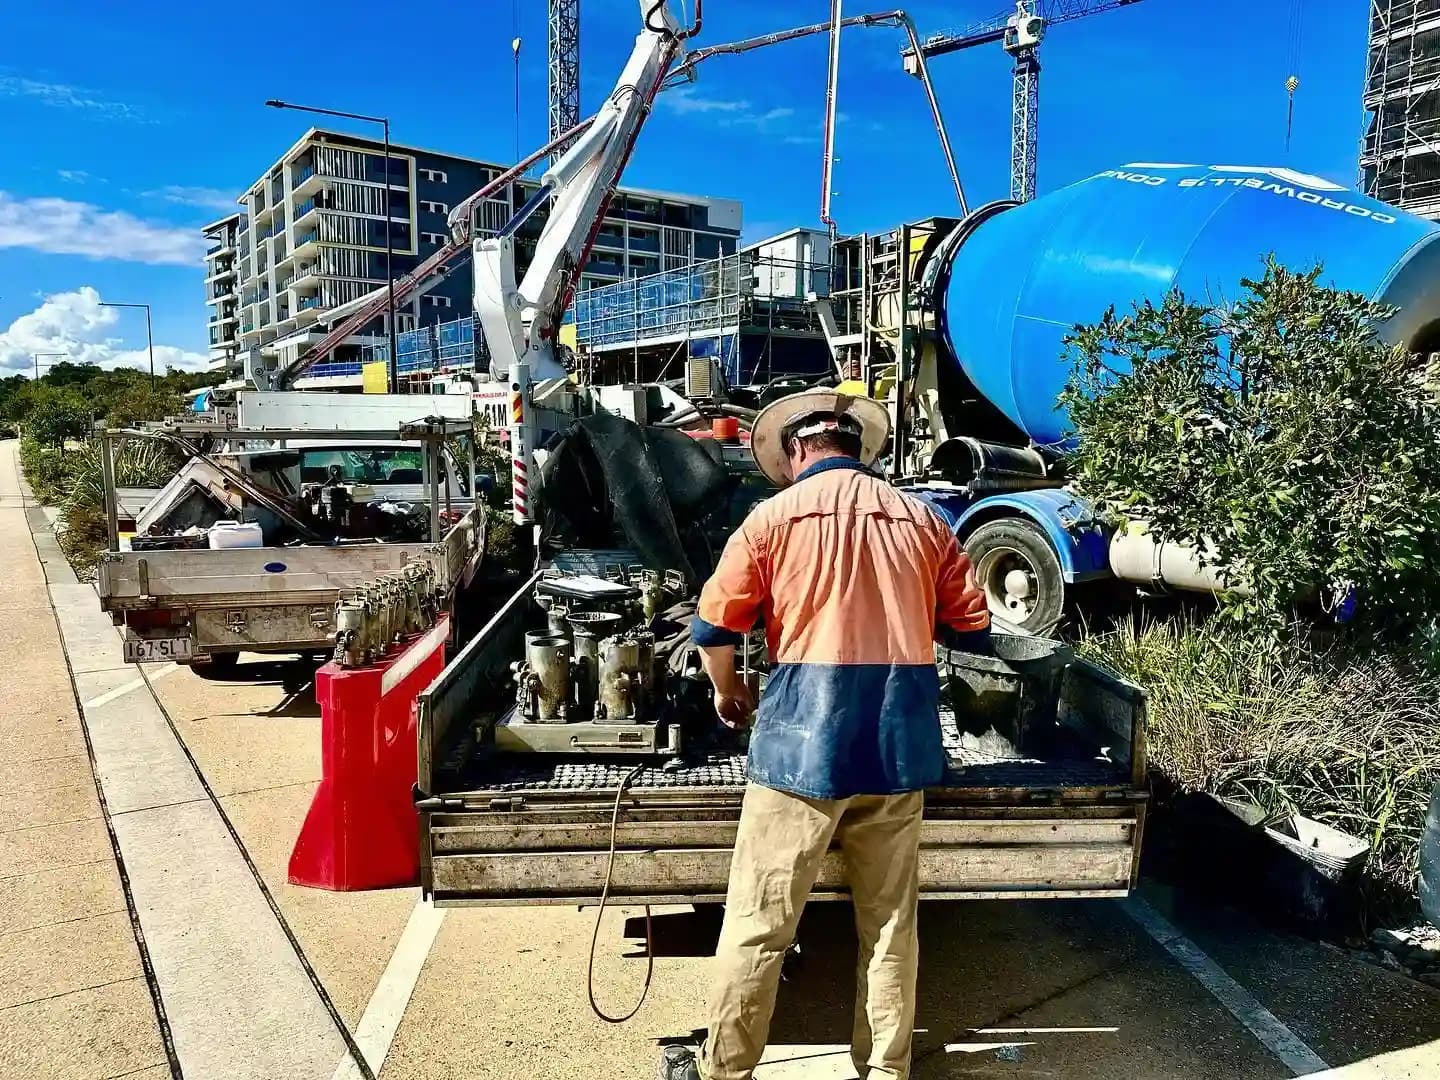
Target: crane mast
[563, 68]
[1019, 32]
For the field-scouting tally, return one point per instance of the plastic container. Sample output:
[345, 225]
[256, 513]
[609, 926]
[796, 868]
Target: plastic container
[235, 534]
[1007, 702]
[725, 428]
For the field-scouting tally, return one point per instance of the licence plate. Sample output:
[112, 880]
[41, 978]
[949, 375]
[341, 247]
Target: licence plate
[156, 650]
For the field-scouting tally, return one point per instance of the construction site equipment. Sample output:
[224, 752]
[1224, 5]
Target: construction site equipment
[1020, 32]
[1024, 276]
[1399, 153]
[563, 68]
[535, 828]
[352, 317]
[359, 832]
[378, 614]
[961, 325]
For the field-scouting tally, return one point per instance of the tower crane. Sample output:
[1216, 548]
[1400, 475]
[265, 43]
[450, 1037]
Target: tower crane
[563, 67]
[1020, 33]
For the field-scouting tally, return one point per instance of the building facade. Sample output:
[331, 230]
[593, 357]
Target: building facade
[1400, 156]
[312, 237]
[222, 289]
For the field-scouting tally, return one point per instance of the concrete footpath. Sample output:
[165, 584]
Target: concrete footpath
[227, 990]
[74, 999]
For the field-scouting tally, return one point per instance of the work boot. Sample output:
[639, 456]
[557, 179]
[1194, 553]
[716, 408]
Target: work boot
[678, 1063]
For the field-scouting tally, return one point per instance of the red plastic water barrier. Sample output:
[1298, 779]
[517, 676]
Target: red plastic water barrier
[361, 831]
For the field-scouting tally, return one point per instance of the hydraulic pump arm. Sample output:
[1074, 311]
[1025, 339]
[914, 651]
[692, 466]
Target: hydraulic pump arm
[520, 321]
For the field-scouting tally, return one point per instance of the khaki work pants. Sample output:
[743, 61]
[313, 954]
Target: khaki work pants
[781, 841]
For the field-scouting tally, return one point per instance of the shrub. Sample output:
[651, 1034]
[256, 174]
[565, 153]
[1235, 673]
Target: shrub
[56, 415]
[45, 469]
[1279, 432]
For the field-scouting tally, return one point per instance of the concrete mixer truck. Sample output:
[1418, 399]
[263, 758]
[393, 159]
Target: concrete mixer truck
[960, 326]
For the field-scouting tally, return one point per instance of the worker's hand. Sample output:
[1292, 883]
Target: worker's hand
[735, 706]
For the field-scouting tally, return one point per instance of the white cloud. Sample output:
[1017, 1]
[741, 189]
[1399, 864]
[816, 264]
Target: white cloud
[726, 112]
[686, 101]
[74, 323]
[73, 176]
[207, 198]
[66, 227]
[61, 96]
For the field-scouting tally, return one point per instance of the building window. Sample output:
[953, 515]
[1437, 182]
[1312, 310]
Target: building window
[438, 301]
[435, 175]
[435, 207]
[433, 237]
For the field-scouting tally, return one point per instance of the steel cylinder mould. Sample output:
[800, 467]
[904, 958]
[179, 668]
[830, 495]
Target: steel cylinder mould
[1025, 275]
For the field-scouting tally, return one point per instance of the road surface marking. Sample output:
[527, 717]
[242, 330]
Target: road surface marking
[392, 994]
[1047, 1031]
[134, 684]
[1262, 1023]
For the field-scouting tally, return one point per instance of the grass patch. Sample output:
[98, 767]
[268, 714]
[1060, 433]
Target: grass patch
[1345, 731]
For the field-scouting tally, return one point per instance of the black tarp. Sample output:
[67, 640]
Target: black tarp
[607, 473]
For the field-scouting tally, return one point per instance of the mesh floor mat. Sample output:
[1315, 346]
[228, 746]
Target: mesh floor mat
[968, 768]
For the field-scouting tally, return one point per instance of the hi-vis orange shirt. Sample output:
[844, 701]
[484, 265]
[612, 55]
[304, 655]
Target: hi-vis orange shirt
[851, 578]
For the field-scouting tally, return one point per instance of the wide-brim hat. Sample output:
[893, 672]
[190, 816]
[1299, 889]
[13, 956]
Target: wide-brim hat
[767, 443]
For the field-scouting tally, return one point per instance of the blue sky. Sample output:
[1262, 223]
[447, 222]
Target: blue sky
[130, 125]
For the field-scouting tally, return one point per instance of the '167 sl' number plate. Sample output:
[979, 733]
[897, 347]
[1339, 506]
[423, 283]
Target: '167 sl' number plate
[158, 650]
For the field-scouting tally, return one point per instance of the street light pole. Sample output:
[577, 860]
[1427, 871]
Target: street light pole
[36, 357]
[149, 336]
[393, 368]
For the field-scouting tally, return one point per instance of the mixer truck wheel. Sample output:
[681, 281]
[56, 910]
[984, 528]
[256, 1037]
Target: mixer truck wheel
[1019, 572]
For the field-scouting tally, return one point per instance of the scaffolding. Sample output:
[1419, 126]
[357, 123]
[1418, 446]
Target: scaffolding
[1400, 152]
[442, 347]
[753, 312]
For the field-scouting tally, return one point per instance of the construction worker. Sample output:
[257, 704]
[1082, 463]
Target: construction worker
[851, 578]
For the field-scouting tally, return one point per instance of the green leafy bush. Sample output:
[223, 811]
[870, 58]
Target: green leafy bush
[56, 415]
[1277, 433]
[45, 468]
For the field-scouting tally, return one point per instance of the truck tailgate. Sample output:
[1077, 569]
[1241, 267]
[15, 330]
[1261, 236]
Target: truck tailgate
[504, 829]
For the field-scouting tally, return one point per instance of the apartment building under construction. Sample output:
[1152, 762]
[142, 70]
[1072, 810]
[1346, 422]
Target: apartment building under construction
[1400, 155]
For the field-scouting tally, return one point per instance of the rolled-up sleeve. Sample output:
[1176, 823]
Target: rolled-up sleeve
[959, 602]
[731, 600]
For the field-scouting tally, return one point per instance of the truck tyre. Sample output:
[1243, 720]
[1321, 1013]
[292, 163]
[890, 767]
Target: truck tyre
[1019, 573]
[221, 665]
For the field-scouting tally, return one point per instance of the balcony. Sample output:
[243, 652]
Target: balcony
[265, 233]
[305, 239]
[247, 327]
[308, 302]
[302, 211]
[306, 180]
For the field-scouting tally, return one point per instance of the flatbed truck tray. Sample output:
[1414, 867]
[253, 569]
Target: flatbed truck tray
[502, 828]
